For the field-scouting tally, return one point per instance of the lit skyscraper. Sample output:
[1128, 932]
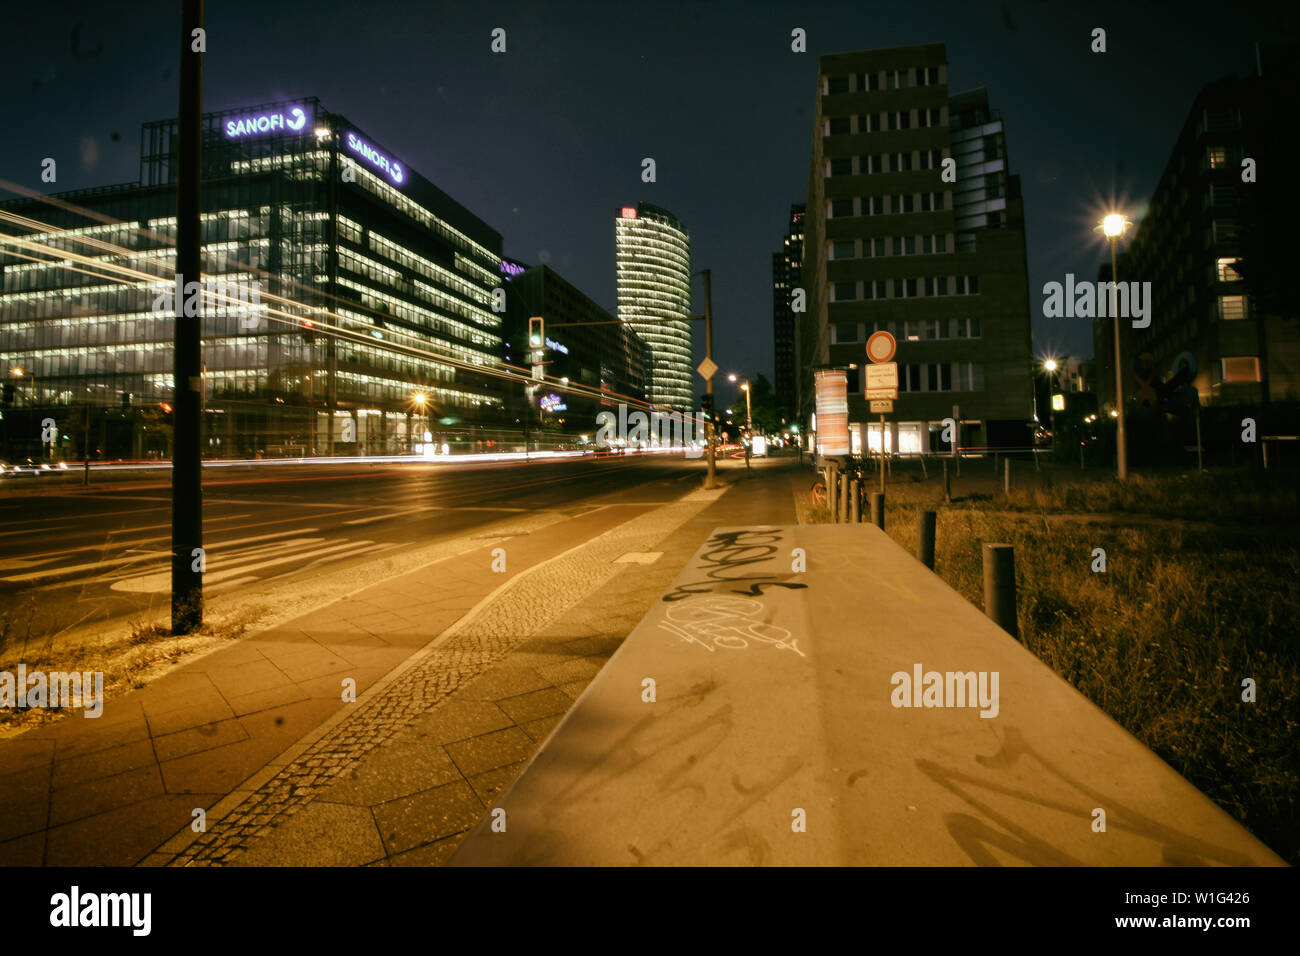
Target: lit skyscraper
[653, 255]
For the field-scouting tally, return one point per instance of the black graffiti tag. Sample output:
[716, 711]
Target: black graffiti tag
[726, 558]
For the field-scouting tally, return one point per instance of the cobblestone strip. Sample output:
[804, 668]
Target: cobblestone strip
[527, 605]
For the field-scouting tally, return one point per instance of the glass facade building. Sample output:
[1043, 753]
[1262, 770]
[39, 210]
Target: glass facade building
[653, 257]
[338, 285]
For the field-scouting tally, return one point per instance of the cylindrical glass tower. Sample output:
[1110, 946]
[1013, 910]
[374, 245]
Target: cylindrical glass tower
[653, 255]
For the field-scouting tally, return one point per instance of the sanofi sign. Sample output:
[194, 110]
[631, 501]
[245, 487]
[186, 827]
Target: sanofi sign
[254, 124]
[390, 167]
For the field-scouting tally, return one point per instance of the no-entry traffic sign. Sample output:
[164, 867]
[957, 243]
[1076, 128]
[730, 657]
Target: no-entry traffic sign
[881, 346]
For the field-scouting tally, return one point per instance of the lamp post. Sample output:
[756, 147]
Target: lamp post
[749, 418]
[1113, 226]
[421, 400]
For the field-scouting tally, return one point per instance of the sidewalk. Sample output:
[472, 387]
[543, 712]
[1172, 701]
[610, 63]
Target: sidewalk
[453, 695]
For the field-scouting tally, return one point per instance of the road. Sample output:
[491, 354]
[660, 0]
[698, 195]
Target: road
[71, 556]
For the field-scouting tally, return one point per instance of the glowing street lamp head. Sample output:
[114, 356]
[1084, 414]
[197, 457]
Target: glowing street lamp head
[731, 377]
[1114, 225]
[18, 372]
[1050, 365]
[745, 387]
[420, 398]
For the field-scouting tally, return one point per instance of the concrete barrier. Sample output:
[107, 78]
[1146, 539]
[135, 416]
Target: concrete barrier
[859, 712]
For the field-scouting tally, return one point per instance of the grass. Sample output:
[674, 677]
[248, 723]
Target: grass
[128, 660]
[1164, 638]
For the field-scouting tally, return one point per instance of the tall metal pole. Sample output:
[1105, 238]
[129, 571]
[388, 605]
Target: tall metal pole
[749, 425]
[187, 489]
[1122, 446]
[710, 480]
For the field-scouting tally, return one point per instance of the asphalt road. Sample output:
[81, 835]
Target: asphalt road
[71, 556]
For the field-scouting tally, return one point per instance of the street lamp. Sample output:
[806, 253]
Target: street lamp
[421, 400]
[1113, 227]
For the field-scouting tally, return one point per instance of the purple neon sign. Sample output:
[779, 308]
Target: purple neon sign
[391, 168]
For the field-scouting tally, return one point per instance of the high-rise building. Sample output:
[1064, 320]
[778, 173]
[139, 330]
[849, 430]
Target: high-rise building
[303, 203]
[892, 243]
[653, 258]
[1196, 231]
[786, 266]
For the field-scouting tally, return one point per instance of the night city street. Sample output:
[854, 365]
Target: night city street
[699, 436]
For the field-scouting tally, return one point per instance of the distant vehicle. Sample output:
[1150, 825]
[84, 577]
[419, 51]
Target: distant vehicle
[27, 468]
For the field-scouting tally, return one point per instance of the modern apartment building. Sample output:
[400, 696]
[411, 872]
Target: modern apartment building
[390, 281]
[653, 258]
[898, 238]
[1206, 321]
[592, 361]
[786, 267]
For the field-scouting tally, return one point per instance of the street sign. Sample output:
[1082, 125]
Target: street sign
[882, 405]
[707, 368]
[882, 380]
[881, 346]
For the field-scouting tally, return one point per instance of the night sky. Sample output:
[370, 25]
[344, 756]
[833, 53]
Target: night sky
[546, 141]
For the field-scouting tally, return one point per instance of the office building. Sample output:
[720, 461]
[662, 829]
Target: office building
[894, 244]
[653, 258]
[786, 266]
[1207, 321]
[591, 360]
[390, 324]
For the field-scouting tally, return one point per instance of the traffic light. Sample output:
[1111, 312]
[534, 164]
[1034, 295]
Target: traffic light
[536, 332]
[706, 406]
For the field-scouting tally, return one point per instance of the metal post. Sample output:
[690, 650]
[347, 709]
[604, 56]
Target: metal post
[878, 509]
[882, 454]
[710, 480]
[925, 539]
[1200, 462]
[956, 439]
[855, 503]
[85, 441]
[832, 486]
[947, 484]
[1000, 586]
[187, 488]
[1006, 477]
[1122, 448]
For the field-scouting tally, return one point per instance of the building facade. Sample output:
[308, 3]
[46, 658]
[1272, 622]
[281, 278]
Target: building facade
[364, 295]
[915, 226]
[653, 259]
[591, 360]
[1206, 325]
[786, 266]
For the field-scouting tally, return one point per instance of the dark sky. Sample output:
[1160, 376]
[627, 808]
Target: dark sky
[546, 141]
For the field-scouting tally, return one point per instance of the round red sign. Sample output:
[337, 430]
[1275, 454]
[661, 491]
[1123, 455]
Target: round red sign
[881, 346]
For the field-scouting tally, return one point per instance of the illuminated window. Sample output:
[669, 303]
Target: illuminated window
[1241, 369]
[1227, 271]
[1217, 156]
[1232, 307]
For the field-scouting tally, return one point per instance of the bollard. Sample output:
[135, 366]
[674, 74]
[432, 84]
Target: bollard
[855, 503]
[1000, 586]
[925, 539]
[832, 484]
[947, 486]
[1006, 477]
[878, 509]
